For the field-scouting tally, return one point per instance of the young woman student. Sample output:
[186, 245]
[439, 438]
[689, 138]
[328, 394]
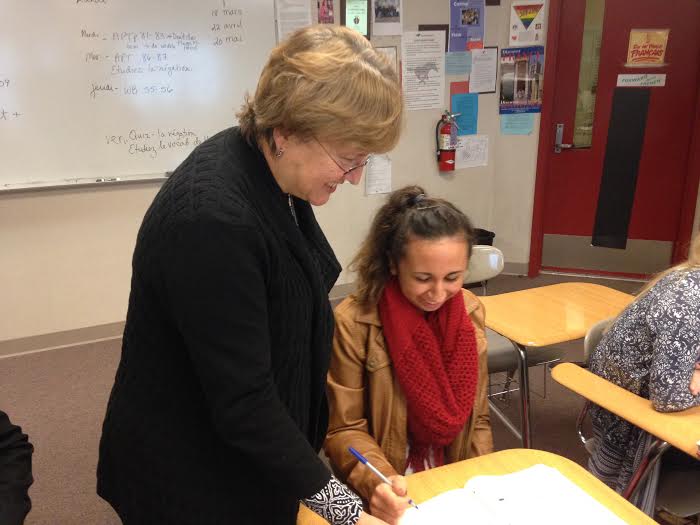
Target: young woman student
[408, 378]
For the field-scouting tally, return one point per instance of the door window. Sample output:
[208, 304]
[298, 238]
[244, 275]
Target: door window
[588, 73]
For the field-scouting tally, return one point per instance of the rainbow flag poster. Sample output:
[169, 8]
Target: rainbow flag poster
[527, 22]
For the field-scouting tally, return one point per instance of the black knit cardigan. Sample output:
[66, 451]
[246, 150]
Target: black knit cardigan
[218, 407]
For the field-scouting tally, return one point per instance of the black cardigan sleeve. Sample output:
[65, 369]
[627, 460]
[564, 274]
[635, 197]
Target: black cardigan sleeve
[15, 472]
[216, 286]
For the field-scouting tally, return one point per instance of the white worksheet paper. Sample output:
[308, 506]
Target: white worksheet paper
[538, 495]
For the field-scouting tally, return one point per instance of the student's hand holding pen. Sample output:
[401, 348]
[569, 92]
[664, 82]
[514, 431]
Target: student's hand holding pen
[389, 502]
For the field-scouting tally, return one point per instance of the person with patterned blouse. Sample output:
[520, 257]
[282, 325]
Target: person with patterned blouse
[653, 350]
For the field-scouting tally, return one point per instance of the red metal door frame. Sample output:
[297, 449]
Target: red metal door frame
[546, 143]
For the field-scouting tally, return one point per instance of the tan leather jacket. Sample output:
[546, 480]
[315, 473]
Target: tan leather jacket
[368, 407]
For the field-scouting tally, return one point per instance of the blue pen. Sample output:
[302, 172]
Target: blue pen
[381, 476]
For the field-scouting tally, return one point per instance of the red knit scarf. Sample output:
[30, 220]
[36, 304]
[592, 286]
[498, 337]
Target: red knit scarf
[435, 359]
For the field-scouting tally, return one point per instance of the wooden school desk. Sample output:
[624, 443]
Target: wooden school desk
[425, 485]
[545, 316]
[678, 429]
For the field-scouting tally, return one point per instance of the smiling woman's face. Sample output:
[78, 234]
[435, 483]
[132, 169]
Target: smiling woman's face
[311, 170]
[432, 270]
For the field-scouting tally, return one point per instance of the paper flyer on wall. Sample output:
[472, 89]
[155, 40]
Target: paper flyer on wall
[647, 47]
[356, 16]
[522, 75]
[527, 22]
[325, 11]
[386, 17]
[472, 151]
[466, 107]
[291, 15]
[423, 69]
[378, 176]
[467, 22]
[458, 63]
[517, 123]
[482, 78]
[445, 28]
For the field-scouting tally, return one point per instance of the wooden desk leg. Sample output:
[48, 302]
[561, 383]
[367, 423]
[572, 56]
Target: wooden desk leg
[524, 396]
[651, 456]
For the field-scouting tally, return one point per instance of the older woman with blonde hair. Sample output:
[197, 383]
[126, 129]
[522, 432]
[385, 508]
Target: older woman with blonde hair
[218, 409]
[651, 349]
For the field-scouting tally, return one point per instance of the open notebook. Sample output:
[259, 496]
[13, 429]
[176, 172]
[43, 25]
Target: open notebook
[538, 495]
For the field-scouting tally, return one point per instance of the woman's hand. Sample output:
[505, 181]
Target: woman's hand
[695, 381]
[390, 502]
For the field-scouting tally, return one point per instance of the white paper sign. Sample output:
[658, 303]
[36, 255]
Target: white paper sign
[641, 80]
[423, 66]
[472, 151]
[291, 15]
[484, 70]
[378, 175]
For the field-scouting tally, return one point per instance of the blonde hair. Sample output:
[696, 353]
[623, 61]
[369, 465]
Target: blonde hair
[326, 82]
[691, 263]
[408, 214]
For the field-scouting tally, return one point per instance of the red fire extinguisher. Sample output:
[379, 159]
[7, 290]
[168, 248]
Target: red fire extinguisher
[446, 141]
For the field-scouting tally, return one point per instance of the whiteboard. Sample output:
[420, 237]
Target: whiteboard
[104, 90]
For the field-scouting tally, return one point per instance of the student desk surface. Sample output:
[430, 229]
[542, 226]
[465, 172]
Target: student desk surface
[424, 485]
[679, 429]
[552, 314]
[545, 316]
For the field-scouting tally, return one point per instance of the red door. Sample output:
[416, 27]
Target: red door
[621, 198]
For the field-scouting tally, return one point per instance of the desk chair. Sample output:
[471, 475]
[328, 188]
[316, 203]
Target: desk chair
[486, 262]
[678, 489]
[543, 316]
[590, 341]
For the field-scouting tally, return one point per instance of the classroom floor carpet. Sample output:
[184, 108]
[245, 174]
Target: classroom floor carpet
[59, 398]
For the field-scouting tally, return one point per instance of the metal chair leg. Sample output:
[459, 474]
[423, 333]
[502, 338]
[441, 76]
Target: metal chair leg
[524, 396]
[505, 396]
[579, 422]
[651, 456]
[507, 422]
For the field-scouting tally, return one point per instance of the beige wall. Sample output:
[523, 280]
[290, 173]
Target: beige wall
[65, 254]
[65, 257]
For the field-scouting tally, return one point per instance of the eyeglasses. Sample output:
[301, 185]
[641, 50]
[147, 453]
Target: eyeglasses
[345, 171]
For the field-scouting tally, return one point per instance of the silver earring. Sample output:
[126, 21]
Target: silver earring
[279, 153]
